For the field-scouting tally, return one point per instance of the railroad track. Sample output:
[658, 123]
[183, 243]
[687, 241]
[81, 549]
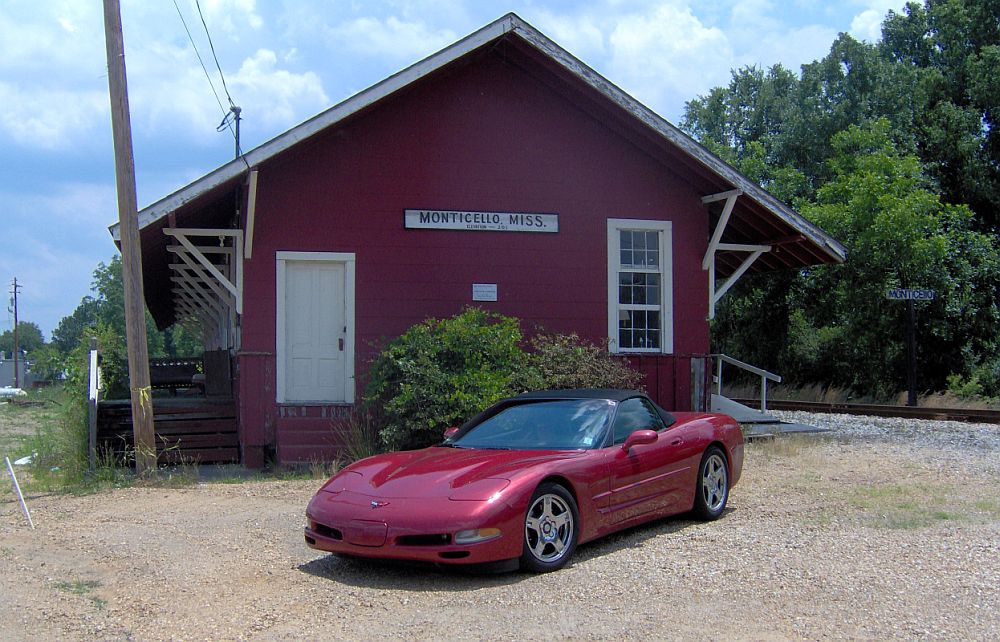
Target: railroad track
[973, 415]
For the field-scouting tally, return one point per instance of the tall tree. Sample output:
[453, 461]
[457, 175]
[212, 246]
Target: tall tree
[899, 234]
[953, 48]
[29, 338]
[894, 148]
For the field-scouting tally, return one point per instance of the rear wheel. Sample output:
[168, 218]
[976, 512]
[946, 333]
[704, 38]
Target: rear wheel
[712, 490]
[550, 529]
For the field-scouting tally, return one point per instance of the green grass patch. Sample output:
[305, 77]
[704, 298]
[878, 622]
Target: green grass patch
[78, 587]
[82, 588]
[919, 505]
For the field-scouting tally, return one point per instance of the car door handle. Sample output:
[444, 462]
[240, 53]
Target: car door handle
[340, 344]
[676, 442]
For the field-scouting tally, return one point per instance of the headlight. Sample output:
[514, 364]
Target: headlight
[476, 535]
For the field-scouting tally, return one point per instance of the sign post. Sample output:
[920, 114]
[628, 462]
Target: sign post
[910, 295]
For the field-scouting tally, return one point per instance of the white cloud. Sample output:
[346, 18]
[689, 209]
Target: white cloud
[277, 96]
[49, 118]
[226, 15]
[581, 35]
[867, 25]
[667, 56]
[391, 38]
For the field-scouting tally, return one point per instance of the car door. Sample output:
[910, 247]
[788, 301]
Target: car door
[647, 478]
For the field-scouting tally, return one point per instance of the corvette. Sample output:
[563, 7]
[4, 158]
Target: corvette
[528, 479]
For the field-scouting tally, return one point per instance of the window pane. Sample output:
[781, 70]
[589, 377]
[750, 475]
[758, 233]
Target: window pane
[625, 294]
[652, 289]
[632, 415]
[625, 240]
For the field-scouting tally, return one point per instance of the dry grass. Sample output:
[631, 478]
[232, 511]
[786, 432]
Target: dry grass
[838, 483]
[831, 394]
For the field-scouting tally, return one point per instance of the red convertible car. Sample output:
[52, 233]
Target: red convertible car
[529, 479]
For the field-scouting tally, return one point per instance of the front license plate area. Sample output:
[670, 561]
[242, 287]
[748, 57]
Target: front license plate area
[365, 533]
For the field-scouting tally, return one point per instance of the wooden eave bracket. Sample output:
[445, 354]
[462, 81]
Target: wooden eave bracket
[715, 245]
[198, 268]
[251, 214]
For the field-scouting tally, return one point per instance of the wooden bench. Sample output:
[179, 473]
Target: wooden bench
[176, 374]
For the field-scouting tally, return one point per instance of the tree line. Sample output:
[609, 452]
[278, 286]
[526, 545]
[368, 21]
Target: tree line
[892, 148]
[101, 316]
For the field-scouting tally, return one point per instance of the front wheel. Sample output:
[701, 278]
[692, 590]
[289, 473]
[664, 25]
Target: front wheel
[712, 490]
[550, 529]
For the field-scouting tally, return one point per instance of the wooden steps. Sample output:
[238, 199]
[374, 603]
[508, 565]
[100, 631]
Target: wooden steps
[188, 430]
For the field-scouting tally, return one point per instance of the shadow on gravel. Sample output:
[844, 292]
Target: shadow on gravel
[637, 535]
[409, 576]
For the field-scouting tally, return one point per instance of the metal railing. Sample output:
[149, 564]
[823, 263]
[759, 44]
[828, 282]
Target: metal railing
[764, 375]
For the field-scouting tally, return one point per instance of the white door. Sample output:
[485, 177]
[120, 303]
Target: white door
[315, 362]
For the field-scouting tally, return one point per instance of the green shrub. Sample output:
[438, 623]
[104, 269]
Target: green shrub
[62, 445]
[441, 372]
[559, 361]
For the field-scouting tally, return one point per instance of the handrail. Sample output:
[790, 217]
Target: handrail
[760, 372]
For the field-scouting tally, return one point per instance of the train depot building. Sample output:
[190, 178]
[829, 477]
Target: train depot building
[500, 172]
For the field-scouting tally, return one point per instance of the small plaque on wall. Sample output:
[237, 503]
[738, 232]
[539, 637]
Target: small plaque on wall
[484, 291]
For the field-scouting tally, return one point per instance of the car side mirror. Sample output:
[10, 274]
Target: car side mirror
[450, 431]
[638, 438]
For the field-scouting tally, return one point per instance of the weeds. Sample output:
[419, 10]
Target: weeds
[362, 434]
[741, 389]
[898, 506]
[83, 588]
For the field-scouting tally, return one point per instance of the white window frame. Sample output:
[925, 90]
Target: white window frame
[616, 225]
[348, 259]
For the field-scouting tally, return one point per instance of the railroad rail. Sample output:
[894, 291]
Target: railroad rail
[972, 415]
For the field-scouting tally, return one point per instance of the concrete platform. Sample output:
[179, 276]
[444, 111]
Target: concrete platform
[759, 425]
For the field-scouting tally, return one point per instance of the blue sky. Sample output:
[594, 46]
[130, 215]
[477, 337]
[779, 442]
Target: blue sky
[286, 60]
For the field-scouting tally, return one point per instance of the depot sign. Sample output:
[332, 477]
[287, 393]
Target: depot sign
[910, 294]
[480, 221]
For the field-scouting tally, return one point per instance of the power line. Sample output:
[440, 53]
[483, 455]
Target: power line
[212, 47]
[233, 111]
[198, 54]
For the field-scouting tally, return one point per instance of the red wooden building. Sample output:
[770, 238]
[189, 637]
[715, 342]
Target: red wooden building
[500, 172]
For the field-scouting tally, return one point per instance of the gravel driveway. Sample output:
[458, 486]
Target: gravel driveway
[886, 529]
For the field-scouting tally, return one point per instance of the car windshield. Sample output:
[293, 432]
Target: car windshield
[569, 424]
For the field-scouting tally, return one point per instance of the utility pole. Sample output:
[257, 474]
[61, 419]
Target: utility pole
[128, 216]
[14, 287]
[236, 117]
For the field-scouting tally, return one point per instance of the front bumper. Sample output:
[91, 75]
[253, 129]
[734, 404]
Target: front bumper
[416, 529]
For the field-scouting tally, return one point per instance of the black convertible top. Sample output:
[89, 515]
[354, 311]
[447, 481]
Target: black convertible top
[612, 394]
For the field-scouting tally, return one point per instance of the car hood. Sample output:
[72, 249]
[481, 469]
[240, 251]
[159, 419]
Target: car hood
[439, 471]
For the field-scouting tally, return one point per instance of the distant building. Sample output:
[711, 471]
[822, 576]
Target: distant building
[27, 378]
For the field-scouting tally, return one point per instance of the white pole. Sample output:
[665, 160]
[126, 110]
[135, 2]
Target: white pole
[17, 487]
[92, 406]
